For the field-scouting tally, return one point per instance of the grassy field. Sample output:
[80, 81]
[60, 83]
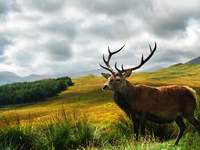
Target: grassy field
[87, 100]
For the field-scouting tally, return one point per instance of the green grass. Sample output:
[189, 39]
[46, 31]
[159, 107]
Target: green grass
[68, 132]
[104, 128]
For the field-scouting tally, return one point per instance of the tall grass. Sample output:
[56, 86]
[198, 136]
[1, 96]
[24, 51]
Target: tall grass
[64, 132]
[70, 131]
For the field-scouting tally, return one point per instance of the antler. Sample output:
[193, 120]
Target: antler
[143, 61]
[108, 67]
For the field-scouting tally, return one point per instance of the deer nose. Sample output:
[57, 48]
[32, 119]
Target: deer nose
[104, 87]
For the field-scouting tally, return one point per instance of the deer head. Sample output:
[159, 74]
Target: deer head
[116, 80]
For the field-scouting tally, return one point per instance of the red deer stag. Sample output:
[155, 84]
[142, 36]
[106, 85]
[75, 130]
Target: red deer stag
[163, 104]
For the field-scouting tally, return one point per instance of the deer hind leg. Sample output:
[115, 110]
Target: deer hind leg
[181, 125]
[194, 122]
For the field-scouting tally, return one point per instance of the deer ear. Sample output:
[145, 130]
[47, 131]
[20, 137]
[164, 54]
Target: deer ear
[127, 74]
[105, 75]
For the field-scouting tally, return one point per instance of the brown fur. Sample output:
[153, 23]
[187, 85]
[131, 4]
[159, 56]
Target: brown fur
[166, 102]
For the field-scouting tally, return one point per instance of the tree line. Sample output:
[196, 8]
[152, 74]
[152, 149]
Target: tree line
[28, 92]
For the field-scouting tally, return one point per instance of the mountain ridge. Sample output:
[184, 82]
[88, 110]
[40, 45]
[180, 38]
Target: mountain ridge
[194, 61]
[7, 77]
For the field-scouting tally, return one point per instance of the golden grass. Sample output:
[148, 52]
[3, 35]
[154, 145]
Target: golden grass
[86, 97]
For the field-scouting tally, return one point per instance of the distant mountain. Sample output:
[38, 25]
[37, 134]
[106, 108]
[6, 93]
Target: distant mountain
[194, 61]
[87, 72]
[10, 77]
[34, 77]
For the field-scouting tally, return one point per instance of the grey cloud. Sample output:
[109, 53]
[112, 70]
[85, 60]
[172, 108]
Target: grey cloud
[170, 26]
[165, 23]
[173, 55]
[167, 27]
[4, 7]
[48, 6]
[7, 6]
[23, 59]
[65, 27]
[118, 28]
[113, 7]
[169, 22]
[3, 43]
[59, 51]
[2, 59]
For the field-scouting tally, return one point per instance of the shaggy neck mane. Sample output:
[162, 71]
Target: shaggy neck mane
[126, 90]
[121, 97]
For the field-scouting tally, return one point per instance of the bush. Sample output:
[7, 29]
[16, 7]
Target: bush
[83, 134]
[18, 138]
[59, 136]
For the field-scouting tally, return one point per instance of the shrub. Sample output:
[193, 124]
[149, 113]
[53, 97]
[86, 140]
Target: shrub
[17, 137]
[59, 136]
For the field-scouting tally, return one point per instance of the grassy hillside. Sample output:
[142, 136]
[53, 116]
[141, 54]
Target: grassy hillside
[86, 100]
[86, 96]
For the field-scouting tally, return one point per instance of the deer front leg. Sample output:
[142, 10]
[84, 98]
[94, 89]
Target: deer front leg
[136, 125]
[142, 124]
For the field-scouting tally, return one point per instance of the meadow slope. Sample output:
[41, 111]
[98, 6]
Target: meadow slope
[85, 117]
[87, 99]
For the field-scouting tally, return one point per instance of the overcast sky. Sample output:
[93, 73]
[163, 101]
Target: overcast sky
[57, 36]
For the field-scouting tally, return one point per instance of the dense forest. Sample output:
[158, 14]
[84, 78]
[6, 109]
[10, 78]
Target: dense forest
[27, 92]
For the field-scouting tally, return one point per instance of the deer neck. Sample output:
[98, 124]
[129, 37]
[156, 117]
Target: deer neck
[122, 97]
[125, 90]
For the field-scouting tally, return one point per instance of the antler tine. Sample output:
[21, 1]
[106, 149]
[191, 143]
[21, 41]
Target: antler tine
[117, 50]
[106, 68]
[143, 61]
[119, 71]
[110, 54]
[122, 67]
[105, 60]
[150, 48]
[109, 50]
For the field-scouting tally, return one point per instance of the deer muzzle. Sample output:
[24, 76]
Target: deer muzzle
[105, 87]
